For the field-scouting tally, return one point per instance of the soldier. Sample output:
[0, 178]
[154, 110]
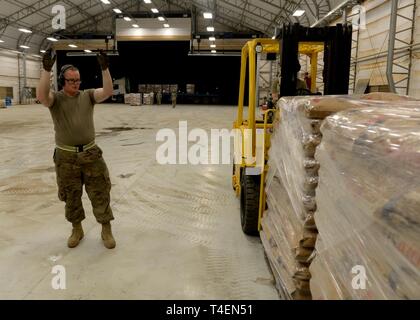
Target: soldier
[78, 160]
[159, 97]
[270, 102]
[173, 97]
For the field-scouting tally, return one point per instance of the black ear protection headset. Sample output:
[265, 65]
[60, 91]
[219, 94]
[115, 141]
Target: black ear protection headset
[62, 72]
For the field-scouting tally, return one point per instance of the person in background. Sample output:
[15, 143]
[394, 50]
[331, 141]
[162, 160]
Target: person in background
[78, 159]
[307, 81]
[159, 97]
[300, 84]
[270, 102]
[173, 98]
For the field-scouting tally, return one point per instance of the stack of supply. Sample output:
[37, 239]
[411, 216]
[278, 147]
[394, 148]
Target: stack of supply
[135, 99]
[289, 231]
[368, 200]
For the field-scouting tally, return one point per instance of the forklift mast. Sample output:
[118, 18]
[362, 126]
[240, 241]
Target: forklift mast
[337, 51]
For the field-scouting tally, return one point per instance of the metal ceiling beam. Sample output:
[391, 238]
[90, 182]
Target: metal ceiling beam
[219, 16]
[277, 8]
[288, 7]
[241, 5]
[74, 11]
[82, 12]
[253, 22]
[335, 12]
[234, 10]
[25, 12]
[124, 6]
[71, 13]
[22, 5]
[227, 22]
[243, 11]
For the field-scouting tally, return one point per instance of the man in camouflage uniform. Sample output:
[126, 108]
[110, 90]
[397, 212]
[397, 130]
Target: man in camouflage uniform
[173, 97]
[159, 97]
[78, 160]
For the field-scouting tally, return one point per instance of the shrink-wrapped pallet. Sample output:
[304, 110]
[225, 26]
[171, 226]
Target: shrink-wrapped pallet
[368, 204]
[148, 98]
[127, 98]
[288, 227]
[136, 99]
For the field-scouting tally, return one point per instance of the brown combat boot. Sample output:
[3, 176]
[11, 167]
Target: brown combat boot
[107, 237]
[76, 235]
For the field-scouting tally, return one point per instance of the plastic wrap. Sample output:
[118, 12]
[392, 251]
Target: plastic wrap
[322, 107]
[288, 227]
[368, 202]
[292, 152]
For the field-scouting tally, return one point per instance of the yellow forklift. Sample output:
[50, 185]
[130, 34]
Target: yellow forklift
[252, 140]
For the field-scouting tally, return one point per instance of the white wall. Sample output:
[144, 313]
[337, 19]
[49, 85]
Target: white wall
[373, 40]
[9, 71]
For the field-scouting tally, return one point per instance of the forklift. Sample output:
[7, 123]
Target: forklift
[252, 141]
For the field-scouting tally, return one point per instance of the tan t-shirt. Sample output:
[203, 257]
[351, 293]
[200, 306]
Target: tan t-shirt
[73, 118]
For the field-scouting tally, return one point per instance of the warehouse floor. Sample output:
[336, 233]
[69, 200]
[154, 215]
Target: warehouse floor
[177, 226]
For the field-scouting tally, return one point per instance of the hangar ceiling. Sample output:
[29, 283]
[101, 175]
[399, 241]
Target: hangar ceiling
[89, 17]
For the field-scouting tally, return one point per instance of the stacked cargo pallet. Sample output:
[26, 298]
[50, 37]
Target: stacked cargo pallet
[148, 98]
[133, 99]
[288, 227]
[368, 199]
[136, 99]
[289, 231]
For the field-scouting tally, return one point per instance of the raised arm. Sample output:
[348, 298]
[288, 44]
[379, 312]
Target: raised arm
[101, 94]
[43, 93]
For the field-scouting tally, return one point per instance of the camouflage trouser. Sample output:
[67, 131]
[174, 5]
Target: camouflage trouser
[88, 168]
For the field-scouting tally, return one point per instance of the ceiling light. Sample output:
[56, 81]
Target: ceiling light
[298, 13]
[72, 46]
[161, 18]
[25, 30]
[212, 39]
[213, 51]
[42, 51]
[105, 1]
[1, 41]
[211, 29]
[154, 10]
[166, 25]
[52, 39]
[88, 51]
[208, 15]
[212, 46]
[127, 18]
[24, 47]
[147, 1]
[117, 10]
[136, 26]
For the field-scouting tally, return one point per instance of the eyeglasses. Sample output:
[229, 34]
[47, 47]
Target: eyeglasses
[74, 81]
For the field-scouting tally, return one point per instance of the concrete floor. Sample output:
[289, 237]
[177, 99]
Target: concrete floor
[177, 227]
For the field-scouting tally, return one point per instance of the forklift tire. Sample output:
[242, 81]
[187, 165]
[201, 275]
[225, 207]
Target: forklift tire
[250, 198]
